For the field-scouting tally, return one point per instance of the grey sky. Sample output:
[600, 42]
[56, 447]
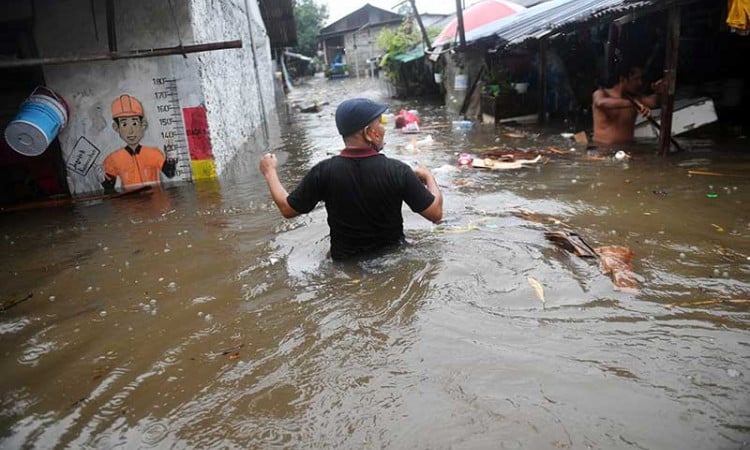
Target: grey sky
[338, 8]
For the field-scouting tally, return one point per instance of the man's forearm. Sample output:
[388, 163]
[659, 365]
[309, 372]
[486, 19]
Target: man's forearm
[435, 211]
[279, 194]
[432, 186]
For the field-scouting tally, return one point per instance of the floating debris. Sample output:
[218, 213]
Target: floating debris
[538, 289]
[204, 299]
[493, 164]
[571, 242]
[617, 261]
[734, 301]
[6, 305]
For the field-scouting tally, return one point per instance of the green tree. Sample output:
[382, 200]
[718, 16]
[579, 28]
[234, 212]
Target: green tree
[404, 38]
[394, 42]
[309, 17]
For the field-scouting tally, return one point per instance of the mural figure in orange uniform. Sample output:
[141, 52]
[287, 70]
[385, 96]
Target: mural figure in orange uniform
[134, 164]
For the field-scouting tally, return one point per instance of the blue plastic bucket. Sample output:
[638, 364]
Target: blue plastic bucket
[36, 125]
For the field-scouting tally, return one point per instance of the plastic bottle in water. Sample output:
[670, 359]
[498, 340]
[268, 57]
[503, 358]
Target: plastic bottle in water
[462, 124]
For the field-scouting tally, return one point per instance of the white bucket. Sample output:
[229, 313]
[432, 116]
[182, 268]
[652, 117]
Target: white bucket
[56, 106]
[521, 88]
[37, 122]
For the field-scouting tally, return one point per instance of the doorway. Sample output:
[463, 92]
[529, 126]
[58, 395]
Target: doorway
[24, 178]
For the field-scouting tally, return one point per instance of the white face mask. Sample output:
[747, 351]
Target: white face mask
[375, 146]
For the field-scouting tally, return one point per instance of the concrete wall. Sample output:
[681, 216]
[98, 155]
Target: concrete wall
[221, 85]
[238, 95]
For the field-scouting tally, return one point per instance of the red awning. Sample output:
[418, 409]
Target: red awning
[476, 16]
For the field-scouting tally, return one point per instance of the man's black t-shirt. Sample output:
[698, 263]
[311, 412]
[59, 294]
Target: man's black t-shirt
[363, 199]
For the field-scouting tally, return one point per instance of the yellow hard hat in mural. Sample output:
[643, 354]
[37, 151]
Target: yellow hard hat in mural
[126, 106]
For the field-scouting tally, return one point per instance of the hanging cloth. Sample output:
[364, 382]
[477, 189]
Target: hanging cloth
[738, 16]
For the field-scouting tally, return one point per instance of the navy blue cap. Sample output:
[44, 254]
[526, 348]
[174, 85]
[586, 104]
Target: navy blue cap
[356, 113]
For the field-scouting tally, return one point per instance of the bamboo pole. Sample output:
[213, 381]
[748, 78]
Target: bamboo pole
[111, 56]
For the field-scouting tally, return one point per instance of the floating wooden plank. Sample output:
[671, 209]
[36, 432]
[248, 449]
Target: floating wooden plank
[493, 164]
[6, 305]
[716, 174]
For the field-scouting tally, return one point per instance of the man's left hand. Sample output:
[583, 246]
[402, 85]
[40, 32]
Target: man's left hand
[659, 86]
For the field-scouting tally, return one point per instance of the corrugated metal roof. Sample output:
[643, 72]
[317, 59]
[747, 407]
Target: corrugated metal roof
[551, 16]
[365, 16]
[278, 16]
[547, 18]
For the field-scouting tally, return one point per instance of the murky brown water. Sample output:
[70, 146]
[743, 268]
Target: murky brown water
[198, 317]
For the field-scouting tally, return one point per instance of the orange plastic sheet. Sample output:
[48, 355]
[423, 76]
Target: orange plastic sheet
[617, 261]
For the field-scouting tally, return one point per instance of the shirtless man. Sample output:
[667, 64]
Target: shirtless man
[614, 114]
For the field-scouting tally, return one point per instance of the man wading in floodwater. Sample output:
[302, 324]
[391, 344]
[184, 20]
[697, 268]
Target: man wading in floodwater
[362, 189]
[615, 109]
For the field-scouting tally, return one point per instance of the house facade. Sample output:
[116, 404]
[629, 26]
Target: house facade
[352, 39]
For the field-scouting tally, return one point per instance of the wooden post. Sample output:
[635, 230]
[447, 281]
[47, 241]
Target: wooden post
[542, 76]
[610, 50]
[425, 38]
[670, 78]
[460, 19]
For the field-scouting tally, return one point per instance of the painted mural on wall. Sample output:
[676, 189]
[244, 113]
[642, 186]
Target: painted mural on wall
[127, 138]
[134, 164]
[199, 143]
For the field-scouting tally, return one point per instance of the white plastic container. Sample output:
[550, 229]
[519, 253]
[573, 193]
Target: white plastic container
[461, 82]
[521, 88]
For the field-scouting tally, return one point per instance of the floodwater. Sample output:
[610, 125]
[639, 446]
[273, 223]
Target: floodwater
[196, 316]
